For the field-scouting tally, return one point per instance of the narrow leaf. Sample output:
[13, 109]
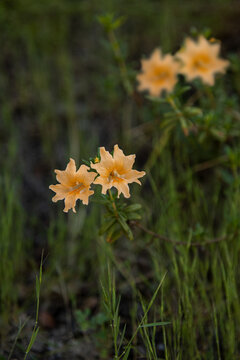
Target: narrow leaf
[106, 226]
[162, 323]
[133, 208]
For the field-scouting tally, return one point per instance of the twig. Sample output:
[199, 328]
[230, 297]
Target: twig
[165, 238]
[211, 163]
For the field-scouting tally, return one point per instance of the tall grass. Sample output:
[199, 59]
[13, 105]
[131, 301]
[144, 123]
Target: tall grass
[12, 247]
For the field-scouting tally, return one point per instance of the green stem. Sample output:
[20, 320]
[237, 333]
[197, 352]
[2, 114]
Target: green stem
[121, 63]
[113, 203]
[126, 83]
[209, 93]
[36, 327]
[179, 113]
[16, 339]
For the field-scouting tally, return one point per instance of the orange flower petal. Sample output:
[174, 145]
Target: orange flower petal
[200, 59]
[73, 185]
[60, 191]
[121, 159]
[70, 202]
[159, 73]
[86, 176]
[134, 175]
[123, 188]
[116, 171]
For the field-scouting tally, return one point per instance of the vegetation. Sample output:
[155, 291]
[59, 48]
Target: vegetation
[161, 281]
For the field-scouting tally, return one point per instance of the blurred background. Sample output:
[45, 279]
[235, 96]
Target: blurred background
[61, 96]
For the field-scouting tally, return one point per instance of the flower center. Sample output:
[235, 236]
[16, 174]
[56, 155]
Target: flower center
[160, 75]
[114, 175]
[201, 62]
[79, 187]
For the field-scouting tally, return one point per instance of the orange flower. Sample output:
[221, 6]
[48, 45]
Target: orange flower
[159, 73]
[73, 185]
[116, 171]
[201, 59]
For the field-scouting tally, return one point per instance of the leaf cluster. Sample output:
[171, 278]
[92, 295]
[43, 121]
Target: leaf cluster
[117, 218]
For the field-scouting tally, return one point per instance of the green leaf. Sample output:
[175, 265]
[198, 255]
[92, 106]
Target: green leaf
[82, 318]
[193, 110]
[108, 22]
[122, 337]
[126, 354]
[207, 32]
[220, 135]
[40, 270]
[118, 22]
[133, 208]
[107, 225]
[134, 216]
[37, 286]
[180, 90]
[99, 319]
[114, 234]
[125, 227]
[32, 341]
[161, 323]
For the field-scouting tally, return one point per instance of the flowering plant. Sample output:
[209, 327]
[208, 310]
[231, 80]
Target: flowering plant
[109, 171]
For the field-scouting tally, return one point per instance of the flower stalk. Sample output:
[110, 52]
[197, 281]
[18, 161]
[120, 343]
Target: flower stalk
[113, 203]
[177, 111]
